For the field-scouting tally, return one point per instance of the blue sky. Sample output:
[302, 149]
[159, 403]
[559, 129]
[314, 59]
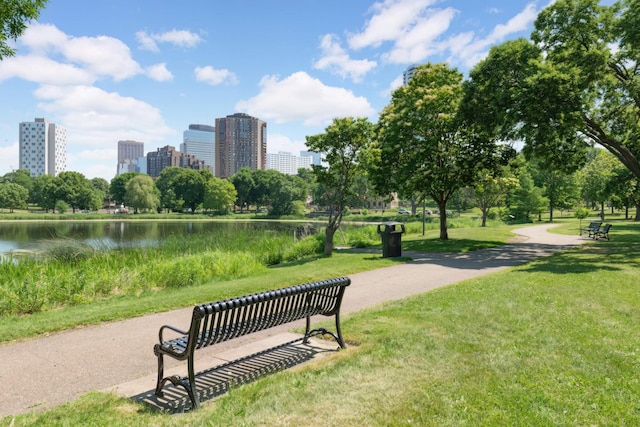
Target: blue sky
[146, 69]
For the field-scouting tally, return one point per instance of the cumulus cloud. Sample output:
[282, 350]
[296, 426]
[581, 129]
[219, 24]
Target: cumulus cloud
[337, 60]
[468, 49]
[301, 97]
[9, 156]
[180, 38]
[91, 114]
[79, 60]
[415, 31]
[159, 72]
[40, 69]
[278, 142]
[391, 19]
[215, 77]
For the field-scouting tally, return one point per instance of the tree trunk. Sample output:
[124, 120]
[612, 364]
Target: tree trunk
[485, 214]
[444, 235]
[328, 242]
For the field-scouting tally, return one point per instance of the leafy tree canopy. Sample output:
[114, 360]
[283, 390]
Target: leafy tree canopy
[576, 83]
[14, 16]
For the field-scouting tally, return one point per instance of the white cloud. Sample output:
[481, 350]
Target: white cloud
[337, 60]
[301, 97]
[40, 69]
[70, 58]
[391, 19]
[180, 38]
[159, 72]
[279, 142]
[146, 42]
[469, 50]
[9, 157]
[395, 84]
[421, 41]
[215, 77]
[91, 114]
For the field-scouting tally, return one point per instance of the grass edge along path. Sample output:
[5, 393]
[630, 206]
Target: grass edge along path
[551, 342]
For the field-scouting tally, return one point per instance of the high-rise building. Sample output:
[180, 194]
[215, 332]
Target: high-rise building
[43, 147]
[316, 158]
[128, 154]
[167, 156]
[200, 141]
[408, 73]
[241, 141]
[287, 163]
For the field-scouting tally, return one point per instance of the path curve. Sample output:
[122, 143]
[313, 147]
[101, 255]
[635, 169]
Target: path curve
[45, 372]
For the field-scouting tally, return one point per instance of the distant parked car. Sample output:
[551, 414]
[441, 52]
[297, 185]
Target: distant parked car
[404, 212]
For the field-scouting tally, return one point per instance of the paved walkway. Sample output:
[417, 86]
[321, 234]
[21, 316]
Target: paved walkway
[46, 372]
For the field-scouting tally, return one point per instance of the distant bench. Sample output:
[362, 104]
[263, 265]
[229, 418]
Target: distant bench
[603, 232]
[228, 319]
[592, 229]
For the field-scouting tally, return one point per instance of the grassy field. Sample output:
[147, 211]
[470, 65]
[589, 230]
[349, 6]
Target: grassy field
[552, 342]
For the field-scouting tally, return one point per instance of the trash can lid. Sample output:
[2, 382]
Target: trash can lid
[391, 227]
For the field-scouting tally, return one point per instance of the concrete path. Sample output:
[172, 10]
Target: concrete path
[46, 372]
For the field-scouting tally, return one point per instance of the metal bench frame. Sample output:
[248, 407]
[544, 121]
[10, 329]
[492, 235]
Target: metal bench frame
[592, 229]
[604, 232]
[228, 319]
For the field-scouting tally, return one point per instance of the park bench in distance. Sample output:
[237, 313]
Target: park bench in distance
[228, 319]
[604, 232]
[592, 229]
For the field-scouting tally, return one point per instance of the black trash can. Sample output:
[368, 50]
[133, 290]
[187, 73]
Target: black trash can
[391, 233]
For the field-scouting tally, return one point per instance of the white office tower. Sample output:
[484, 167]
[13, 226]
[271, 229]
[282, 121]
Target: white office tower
[200, 141]
[287, 163]
[43, 148]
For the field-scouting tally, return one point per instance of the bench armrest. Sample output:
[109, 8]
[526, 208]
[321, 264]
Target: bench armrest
[181, 332]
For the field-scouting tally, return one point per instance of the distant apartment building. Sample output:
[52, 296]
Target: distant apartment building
[408, 73]
[168, 156]
[241, 141]
[129, 153]
[287, 163]
[200, 141]
[316, 158]
[43, 147]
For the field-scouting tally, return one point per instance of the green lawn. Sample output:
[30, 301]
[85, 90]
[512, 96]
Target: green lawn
[552, 342]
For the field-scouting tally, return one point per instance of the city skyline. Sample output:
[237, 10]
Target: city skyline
[112, 71]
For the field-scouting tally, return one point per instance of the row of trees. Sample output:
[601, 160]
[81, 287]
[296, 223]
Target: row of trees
[574, 84]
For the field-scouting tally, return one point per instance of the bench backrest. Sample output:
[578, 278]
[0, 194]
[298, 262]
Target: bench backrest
[226, 319]
[595, 224]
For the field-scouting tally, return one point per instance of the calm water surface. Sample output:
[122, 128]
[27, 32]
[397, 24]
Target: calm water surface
[30, 235]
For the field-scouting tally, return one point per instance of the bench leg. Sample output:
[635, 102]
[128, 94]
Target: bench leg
[161, 380]
[191, 385]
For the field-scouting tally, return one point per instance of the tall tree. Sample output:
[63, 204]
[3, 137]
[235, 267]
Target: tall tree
[574, 84]
[244, 183]
[425, 147]
[490, 191]
[219, 195]
[14, 16]
[344, 142]
[13, 196]
[118, 184]
[560, 188]
[595, 177]
[45, 191]
[141, 194]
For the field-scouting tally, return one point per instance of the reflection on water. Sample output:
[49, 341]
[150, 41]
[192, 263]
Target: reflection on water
[19, 236]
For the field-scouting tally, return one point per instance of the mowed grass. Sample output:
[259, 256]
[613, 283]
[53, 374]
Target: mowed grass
[552, 342]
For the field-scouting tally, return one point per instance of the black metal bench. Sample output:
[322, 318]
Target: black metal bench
[227, 319]
[592, 229]
[604, 232]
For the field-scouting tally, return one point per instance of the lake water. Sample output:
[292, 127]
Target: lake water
[29, 235]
